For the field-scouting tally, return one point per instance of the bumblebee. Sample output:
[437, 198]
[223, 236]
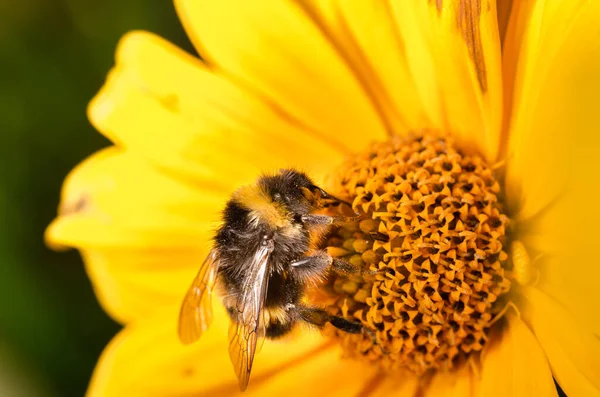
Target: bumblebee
[260, 260]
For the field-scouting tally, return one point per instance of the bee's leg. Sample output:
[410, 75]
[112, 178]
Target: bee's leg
[315, 265]
[311, 267]
[319, 317]
[318, 219]
[342, 267]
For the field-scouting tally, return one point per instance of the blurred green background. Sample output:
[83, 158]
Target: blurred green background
[54, 58]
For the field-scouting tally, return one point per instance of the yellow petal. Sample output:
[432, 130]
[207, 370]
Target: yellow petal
[452, 49]
[514, 364]
[566, 269]
[133, 284]
[366, 34]
[167, 106]
[459, 383]
[554, 55]
[116, 199]
[390, 385]
[278, 51]
[504, 8]
[554, 145]
[572, 350]
[576, 290]
[425, 65]
[324, 374]
[147, 359]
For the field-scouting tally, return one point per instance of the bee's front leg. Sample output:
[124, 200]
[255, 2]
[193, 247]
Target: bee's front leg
[319, 317]
[318, 219]
[315, 265]
[311, 267]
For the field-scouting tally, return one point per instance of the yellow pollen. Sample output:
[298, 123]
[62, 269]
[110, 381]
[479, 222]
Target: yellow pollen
[523, 271]
[430, 243]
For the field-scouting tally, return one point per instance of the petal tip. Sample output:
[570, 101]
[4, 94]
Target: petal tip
[52, 238]
[129, 45]
[100, 107]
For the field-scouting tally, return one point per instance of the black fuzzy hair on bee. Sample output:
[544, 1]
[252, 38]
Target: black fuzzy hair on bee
[261, 259]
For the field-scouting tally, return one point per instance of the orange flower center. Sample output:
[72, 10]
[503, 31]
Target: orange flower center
[430, 243]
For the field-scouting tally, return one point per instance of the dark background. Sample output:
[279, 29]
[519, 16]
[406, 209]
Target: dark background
[54, 57]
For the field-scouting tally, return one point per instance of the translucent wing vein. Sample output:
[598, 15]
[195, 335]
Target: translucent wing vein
[196, 310]
[248, 327]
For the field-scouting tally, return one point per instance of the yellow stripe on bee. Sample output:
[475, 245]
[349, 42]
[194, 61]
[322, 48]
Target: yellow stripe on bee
[261, 206]
[522, 265]
[275, 315]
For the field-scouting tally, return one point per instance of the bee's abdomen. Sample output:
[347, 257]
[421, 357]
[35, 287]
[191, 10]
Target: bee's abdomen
[282, 290]
[277, 329]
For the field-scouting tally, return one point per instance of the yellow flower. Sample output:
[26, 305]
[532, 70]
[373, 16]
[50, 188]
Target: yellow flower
[306, 84]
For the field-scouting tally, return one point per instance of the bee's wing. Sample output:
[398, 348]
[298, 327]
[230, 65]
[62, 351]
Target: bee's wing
[196, 312]
[248, 327]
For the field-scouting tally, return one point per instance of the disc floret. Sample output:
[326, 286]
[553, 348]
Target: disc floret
[433, 229]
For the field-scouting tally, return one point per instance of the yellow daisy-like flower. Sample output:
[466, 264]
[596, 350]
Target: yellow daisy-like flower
[480, 191]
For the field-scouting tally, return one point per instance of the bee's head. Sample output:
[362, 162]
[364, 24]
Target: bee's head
[287, 189]
[296, 192]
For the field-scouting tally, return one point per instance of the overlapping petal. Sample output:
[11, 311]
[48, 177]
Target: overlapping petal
[514, 364]
[167, 106]
[571, 349]
[550, 63]
[366, 36]
[151, 361]
[134, 283]
[115, 199]
[414, 55]
[575, 287]
[453, 50]
[402, 65]
[147, 359]
[552, 57]
[384, 385]
[459, 383]
[303, 73]
[562, 239]
[504, 9]
[142, 234]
